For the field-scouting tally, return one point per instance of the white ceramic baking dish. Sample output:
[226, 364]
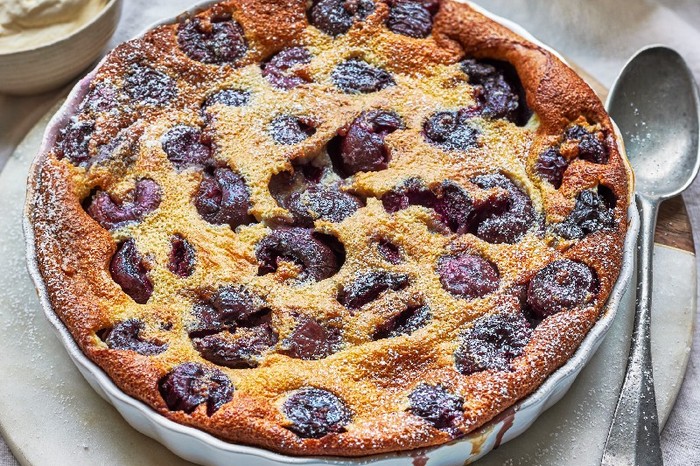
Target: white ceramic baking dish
[201, 447]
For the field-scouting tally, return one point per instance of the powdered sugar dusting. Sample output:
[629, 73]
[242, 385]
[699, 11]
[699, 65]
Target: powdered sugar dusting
[326, 372]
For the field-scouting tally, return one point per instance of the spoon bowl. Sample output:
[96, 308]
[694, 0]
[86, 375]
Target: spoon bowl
[654, 103]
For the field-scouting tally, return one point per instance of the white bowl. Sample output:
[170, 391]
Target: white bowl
[200, 447]
[52, 65]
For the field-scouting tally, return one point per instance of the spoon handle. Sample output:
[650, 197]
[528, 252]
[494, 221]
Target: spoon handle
[634, 433]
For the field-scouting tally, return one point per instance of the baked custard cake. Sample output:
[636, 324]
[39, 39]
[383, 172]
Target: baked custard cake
[338, 227]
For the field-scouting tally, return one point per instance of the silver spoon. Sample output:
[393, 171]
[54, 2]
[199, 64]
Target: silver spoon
[655, 103]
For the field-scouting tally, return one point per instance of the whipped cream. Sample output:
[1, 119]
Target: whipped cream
[25, 24]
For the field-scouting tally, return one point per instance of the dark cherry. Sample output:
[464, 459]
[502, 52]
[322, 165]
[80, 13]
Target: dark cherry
[451, 130]
[389, 251]
[289, 129]
[492, 343]
[608, 196]
[455, 207]
[228, 97]
[182, 257]
[504, 219]
[101, 98]
[367, 287]
[209, 320]
[149, 86]
[240, 350]
[591, 146]
[362, 147]
[311, 173]
[431, 5]
[279, 69]
[129, 271]
[356, 76]
[223, 199]
[319, 256]
[236, 302]
[467, 275]
[311, 340]
[575, 133]
[335, 17]
[411, 192]
[551, 166]
[438, 406]
[227, 308]
[74, 141]
[126, 335]
[561, 286]
[315, 412]
[321, 202]
[406, 322]
[219, 41]
[592, 212]
[452, 203]
[191, 384]
[186, 146]
[410, 18]
[111, 214]
[497, 89]
[122, 149]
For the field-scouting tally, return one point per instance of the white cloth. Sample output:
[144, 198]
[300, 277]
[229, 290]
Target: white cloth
[599, 35]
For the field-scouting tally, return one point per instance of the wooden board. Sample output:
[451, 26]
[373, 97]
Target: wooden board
[673, 227]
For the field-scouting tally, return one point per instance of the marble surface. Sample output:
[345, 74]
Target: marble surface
[599, 35]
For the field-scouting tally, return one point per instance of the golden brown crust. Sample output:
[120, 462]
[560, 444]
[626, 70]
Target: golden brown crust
[372, 377]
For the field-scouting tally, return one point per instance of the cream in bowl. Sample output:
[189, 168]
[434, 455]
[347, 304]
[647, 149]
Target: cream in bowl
[25, 24]
[46, 43]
